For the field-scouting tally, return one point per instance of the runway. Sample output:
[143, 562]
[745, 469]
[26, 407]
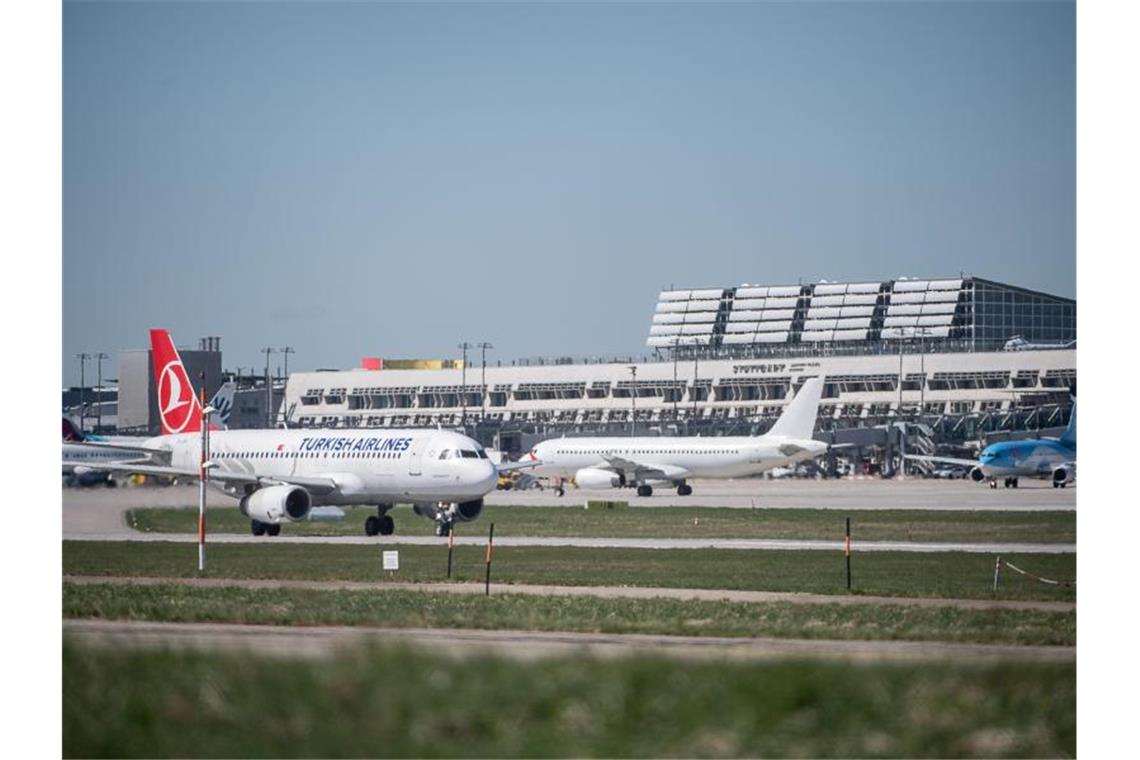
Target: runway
[841, 493]
[325, 641]
[98, 512]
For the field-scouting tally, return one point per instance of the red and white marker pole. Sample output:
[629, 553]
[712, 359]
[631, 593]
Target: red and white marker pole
[203, 473]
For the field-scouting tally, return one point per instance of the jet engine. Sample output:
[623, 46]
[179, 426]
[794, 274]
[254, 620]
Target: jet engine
[977, 475]
[276, 503]
[595, 477]
[463, 512]
[1064, 474]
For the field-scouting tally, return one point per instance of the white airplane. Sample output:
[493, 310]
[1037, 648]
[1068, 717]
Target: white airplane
[280, 475]
[627, 462]
[83, 454]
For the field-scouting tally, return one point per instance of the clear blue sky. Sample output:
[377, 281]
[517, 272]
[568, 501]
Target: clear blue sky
[384, 179]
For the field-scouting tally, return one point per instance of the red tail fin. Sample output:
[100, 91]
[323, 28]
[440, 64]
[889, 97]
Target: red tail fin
[69, 431]
[177, 405]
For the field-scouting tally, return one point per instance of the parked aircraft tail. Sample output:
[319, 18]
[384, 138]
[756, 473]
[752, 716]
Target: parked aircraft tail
[178, 407]
[798, 419]
[70, 432]
[223, 404]
[1069, 437]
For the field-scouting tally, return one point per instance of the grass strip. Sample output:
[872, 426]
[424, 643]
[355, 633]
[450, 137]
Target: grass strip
[981, 526]
[944, 575]
[392, 701]
[399, 608]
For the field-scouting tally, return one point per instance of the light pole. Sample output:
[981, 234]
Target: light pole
[633, 400]
[99, 399]
[287, 350]
[82, 386]
[268, 388]
[483, 397]
[463, 390]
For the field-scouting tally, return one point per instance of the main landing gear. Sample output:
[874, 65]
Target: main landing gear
[259, 528]
[644, 490]
[380, 524]
[1009, 483]
[684, 489]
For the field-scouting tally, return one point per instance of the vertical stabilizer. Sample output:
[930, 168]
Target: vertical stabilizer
[223, 404]
[178, 407]
[1069, 437]
[798, 419]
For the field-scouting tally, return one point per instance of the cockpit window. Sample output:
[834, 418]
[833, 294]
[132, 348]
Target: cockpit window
[468, 454]
[445, 454]
[482, 454]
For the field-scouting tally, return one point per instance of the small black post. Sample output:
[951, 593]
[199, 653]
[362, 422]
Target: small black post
[847, 552]
[490, 553]
[450, 548]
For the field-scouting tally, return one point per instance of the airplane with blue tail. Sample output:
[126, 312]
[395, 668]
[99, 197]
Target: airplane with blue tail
[1053, 458]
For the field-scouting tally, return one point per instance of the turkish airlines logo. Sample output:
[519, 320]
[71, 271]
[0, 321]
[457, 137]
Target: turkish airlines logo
[175, 400]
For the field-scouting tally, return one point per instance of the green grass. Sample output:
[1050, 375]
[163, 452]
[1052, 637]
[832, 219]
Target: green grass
[673, 522]
[950, 575]
[396, 702]
[399, 608]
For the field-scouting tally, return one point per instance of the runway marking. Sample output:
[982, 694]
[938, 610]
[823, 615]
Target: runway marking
[324, 641]
[622, 592]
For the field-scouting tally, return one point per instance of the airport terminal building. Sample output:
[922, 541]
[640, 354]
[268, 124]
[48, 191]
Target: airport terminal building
[959, 356]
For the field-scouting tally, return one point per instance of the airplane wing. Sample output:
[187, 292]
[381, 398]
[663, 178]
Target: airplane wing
[635, 471]
[944, 460]
[133, 448]
[315, 486]
[511, 466]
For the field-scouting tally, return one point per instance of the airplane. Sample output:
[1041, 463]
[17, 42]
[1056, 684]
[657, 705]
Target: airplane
[81, 463]
[1053, 458]
[641, 461]
[1018, 343]
[278, 476]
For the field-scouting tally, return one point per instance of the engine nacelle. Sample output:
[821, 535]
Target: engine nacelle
[977, 475]
[1066, 473]
[595, 477]
[277, 503]
[466, 511]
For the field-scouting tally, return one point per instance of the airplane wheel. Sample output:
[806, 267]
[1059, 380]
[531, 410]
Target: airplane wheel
[387, 525]
[684, 489]
[1014, 482]
[645, 490]
[273, 529]
[372, 525]
[993, 484]
[443, 529]
[257, 527]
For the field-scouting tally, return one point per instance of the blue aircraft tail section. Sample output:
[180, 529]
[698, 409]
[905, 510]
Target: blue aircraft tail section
[1069, 437]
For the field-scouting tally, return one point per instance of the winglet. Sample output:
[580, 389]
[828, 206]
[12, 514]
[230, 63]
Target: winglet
[798, 419]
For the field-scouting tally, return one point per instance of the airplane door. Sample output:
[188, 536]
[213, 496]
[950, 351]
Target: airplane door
[415, 456]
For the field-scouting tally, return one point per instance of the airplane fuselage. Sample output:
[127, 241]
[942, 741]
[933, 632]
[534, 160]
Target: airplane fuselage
[367, 466]
[727, 457]
[1026, 458]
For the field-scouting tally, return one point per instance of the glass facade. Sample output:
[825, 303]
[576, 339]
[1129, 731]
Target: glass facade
[999, 312]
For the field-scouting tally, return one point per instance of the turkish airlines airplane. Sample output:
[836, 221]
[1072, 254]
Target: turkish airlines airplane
[280, 475]
[620, 462]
